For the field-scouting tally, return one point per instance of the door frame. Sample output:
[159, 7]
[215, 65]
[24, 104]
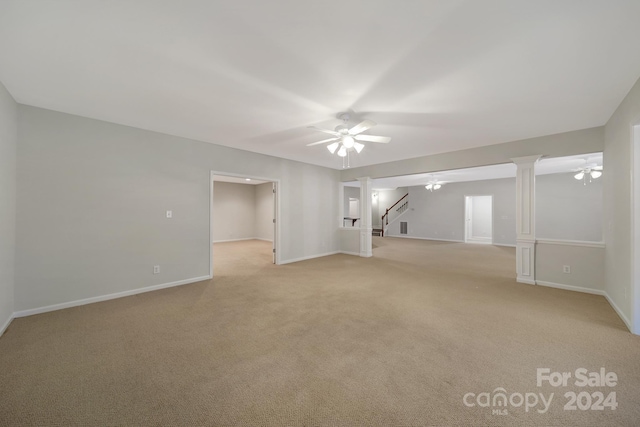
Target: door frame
[467, 208]
[634, 296]
[277, 211]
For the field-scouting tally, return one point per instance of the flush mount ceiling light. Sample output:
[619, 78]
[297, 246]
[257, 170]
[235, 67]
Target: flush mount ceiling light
[591, 172]
[344, 140]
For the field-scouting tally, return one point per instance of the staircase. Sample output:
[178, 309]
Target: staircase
[377, 232]
[400, 206]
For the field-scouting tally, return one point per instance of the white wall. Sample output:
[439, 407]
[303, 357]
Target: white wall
[8, 141]
[92, 201]
[617, 206]
[566, 209]
[234, 211]
[263, 228]
[440, 214]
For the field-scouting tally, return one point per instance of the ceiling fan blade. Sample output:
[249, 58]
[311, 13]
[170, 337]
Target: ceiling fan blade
[596, 168]
[361, 127]
[372, 138]
[324, 141]
[334, 133]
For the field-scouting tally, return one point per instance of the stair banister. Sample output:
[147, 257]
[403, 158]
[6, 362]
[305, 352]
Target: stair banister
[385, 217]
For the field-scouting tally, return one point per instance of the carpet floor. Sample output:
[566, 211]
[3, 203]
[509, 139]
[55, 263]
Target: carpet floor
[400, 339]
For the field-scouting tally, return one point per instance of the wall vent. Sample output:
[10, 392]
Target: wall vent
[403, 227]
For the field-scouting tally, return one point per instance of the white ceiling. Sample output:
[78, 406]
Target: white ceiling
[436, 75]
[506, 170]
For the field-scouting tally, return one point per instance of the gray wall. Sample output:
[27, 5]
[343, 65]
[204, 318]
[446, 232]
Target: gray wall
[439, 215]
[566, 209]
[617, 189]
[263, 228]
[385, 199]
[234, 211]
[558, 145]
[8, 141]
[586, 264]
[93, 195]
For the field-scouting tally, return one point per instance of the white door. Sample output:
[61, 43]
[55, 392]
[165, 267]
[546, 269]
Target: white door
[478, 219]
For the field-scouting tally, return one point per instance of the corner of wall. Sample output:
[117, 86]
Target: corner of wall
[8, 209]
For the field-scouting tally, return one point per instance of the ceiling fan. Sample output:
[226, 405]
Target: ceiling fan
[592, 171]
[434, 184]
[345, 140]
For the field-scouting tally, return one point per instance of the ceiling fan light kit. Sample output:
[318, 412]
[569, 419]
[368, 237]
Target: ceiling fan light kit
[592, 173]
[434, 185]
[344, 140]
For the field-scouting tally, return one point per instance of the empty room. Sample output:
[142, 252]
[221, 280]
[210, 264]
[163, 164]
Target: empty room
[419, 213]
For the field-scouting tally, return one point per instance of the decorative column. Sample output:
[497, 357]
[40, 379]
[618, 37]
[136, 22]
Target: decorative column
[526, 219]
[366, 228]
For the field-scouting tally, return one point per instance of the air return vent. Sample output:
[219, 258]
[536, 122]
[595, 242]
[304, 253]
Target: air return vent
[403, 227]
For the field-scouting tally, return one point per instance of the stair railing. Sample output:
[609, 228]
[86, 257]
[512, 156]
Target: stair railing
[403, 207]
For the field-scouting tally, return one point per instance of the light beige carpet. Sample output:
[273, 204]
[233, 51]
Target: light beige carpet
[394, 340]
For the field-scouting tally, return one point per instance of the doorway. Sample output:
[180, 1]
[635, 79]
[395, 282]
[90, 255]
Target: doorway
[478, 219]
[244, 212]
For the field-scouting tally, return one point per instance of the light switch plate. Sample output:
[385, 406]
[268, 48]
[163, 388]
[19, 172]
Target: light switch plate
[169, 214]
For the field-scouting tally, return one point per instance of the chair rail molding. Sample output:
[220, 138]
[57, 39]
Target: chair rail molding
[525, 218]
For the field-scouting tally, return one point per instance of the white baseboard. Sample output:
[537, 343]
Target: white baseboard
[526, 281]
[6, 324]
[571, 287]
[289, 261]
[234, 240]
[264, 240]
[589, 291]
[32, 311]
[425, 238]
[620, 313]
[350, 253]
[506, 245]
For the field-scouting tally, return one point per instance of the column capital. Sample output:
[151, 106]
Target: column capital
[526, 159]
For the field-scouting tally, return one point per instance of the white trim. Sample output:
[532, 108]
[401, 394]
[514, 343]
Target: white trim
[6, 324]
[264, 240]
[349, 228]
[305, 258]
[508, 245]
[571, 243]
[526, 281]
[479, 241]
[236, 240]
[571, 288]
[107, 297]
[620, 313]
[426, 238]
[349, 253]
[634, 204]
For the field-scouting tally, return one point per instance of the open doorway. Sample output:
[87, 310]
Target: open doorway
[478, 219]
[243, 222]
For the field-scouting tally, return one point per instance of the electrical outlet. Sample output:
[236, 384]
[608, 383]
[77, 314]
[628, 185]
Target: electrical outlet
[156, 269]
[566, 269]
